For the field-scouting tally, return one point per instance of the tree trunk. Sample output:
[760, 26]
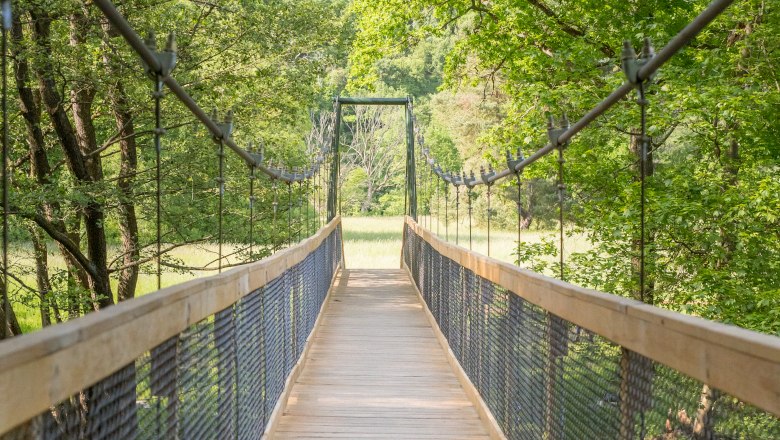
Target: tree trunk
[82, 96]
[369, 198]
[92, 210]
[128, 222]
[41, 274]
[29, 107]
[13, 327]
[703, 426]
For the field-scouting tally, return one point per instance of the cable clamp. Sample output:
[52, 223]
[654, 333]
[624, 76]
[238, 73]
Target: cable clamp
[631, 64]
[256, 153]
[166, 58]
[225, 126]
[554, 131]
[513, 161]
[487, 177]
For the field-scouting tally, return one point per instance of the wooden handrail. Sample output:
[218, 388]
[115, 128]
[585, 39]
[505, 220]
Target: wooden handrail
[41, 369]
[743, 363]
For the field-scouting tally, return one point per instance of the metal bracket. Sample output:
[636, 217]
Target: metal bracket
[513, 161]
[487, 176]
[456, 180]
[631, 64]
[469, 180]
[554, 132]
[225, 127]
[256, 153]
[166, 58]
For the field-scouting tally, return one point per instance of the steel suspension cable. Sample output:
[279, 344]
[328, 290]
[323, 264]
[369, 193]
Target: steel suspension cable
[317, 199]
[519, 213]
[468, 197]
[221, 182]
[289, 213]
[308, 223]
[433, 186]
[561, 195]
[275, 204]
[6, 11]
[251, 210]
[489, 214]
[157, 94]
[446, 212]
[457, 213]
[300, 209]
[642, 101]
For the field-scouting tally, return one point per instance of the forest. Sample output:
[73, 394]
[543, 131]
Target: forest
[484, 76]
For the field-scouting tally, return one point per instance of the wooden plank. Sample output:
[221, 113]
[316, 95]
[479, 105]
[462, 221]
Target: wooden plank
[376, 370]
[713, 353]
[48, 366]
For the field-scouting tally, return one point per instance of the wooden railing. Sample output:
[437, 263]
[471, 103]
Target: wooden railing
[39, 370]
[743, 363]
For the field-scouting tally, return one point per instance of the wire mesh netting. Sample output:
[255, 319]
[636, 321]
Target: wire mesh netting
[544, 378]
[219, 379]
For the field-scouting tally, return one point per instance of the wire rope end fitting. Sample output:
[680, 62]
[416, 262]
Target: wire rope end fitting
[469, 179]
[256, 153]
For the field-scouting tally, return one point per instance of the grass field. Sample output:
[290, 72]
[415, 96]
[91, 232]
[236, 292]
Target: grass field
[369, 243]
[375, 242]
[21, 257]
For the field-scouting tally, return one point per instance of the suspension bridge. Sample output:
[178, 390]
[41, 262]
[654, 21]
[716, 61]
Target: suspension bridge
[453, 344]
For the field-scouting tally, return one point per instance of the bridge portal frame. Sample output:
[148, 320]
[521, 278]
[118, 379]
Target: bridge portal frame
[410, 190]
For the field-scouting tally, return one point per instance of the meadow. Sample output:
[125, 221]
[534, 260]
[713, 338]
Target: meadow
[375, 242]
[369, 243]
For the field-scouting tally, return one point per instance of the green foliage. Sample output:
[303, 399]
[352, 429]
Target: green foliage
[712, 202]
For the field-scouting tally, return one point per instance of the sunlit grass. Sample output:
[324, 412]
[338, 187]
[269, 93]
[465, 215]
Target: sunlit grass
[375, 242]
[26, 305]
[372, 242]
[369, 243]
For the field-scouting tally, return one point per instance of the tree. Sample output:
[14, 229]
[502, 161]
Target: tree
[376, 147]
[82, 171]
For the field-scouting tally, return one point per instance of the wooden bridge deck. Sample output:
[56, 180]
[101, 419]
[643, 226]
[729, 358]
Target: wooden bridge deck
[375, 369]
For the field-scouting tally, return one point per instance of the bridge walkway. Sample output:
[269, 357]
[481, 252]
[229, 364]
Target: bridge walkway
[375, 369]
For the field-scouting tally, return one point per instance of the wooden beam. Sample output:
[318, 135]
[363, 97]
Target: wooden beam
[743, 363]
[47, 366]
